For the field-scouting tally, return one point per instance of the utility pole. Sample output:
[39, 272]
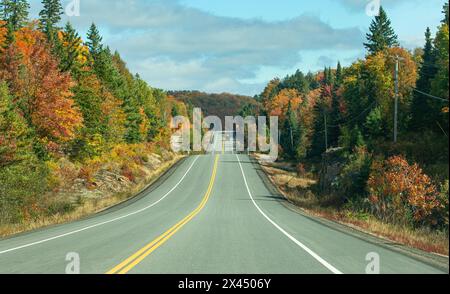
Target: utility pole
[326, 130]
[396, 100]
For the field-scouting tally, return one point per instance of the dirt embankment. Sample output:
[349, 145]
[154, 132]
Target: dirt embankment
[79, 193]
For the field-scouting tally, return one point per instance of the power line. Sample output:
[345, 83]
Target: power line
[356, 117]
[429, 95]
[429, 65]
[351, 120]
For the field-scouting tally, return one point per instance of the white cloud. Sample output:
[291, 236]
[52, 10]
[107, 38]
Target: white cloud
[176, 47]
[361, 4]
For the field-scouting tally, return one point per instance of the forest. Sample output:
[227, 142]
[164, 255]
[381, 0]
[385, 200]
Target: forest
[68, 106]
[347, 113]
[221, 105]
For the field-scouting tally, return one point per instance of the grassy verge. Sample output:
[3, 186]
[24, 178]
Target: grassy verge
[299, 190]
[88, 206]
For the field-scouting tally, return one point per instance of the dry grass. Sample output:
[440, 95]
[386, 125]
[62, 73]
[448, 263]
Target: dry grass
[299, 191]
[423, 239]
[88, 206]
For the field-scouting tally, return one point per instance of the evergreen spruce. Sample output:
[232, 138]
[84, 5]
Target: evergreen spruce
[15, 13]
[381, 34]
[420, 104]
[50, 15]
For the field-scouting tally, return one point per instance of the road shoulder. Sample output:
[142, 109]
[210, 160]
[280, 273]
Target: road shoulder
[435, 260]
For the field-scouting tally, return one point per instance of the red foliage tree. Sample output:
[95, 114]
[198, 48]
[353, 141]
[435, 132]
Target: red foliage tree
[398, 189]
[41, 91]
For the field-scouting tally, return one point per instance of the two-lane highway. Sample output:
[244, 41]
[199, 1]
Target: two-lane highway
[213, 214]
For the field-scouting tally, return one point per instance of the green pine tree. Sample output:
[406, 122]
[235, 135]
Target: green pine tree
[15, 13]
[71, 50]
[10, 36]
[420, 107]
[290, 134]
[339, 75]
[50, 15]
[94, 42]
[334, 116]
[15, 145]
[381, 35]
[445, 12]
[440, 83]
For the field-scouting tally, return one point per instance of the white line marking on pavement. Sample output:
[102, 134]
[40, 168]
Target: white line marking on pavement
[105, 222]
[304, 247]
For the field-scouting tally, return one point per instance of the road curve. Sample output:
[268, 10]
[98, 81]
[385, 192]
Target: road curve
[213, 214]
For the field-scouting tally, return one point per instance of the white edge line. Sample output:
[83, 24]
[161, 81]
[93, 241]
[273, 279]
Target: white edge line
[304, 247]
[105, 222]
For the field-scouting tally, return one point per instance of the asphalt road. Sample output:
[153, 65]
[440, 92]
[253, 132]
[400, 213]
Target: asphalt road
[213, 214]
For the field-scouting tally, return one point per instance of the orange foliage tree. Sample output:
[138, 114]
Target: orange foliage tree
[3, 34]
[41, 91]
[398, 190]
[280, 103]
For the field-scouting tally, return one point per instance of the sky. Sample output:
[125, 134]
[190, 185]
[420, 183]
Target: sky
[237, 46]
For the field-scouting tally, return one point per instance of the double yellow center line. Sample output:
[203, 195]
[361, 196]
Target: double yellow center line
[129, 263]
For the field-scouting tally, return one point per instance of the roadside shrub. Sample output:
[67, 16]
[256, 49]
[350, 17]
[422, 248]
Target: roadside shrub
[300, 168]
[352, 181]
[374, 123]
[442, 210]
[127, 172]
[351, 138]
[402, 193]
[21, 189]
[61, 173]
[89, 169]
[59, 207]
[425, 148]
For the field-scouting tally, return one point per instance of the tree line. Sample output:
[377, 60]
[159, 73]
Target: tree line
[63, 97]
[350, 111]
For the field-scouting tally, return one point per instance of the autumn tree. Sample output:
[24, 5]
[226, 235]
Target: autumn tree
[369, 84]
[381, 34]
[280, 103]
[147, 100]
[399, 191]
[42, 92]
[269, 92]
[3, 35]
[113, 119]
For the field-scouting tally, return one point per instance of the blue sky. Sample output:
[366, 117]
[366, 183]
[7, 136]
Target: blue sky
[239, 45]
